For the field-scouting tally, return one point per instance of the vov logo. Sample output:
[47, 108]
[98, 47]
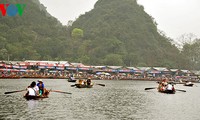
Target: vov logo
[12, 9]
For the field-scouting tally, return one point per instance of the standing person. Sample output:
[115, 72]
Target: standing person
[40, 85]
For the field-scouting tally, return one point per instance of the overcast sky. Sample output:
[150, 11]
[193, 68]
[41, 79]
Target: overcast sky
[174, 17]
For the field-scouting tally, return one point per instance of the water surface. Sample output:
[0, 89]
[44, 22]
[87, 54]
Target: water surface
[118, 100]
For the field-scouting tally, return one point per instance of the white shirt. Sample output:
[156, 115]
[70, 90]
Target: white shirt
[36, 88]
[169, 87]
[31, 92]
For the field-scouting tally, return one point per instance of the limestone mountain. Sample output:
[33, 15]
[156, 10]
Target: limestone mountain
[120, 32]
[114, 32]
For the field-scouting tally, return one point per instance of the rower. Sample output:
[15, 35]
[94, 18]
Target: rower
[89, 81]
[40, 84]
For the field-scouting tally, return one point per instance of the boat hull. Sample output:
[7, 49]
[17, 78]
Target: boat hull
[84, 86]
[35, 97]
[69, 80]
[167, 91]
[190, 84]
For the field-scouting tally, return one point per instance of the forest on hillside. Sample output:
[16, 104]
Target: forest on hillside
[115, 32]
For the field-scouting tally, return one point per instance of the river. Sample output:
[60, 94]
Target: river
[118, 100]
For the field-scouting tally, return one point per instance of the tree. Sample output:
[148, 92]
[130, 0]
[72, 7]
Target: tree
[77, 33]
[4, 54]
[113, 59]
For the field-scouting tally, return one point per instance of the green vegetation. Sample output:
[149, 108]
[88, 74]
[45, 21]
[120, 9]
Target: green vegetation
[121, 33]
[34, 35]
[115, 32]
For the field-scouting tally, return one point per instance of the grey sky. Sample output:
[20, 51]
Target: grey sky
[174, 17]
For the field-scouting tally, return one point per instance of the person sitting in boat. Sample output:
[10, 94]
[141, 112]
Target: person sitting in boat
[31, 92]
[169, 87]
[162, 86]
[81, 82]
[40, 84]
[188, 82]
[89, 81]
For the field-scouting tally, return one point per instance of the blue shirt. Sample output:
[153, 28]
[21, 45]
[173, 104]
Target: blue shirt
[38, 84]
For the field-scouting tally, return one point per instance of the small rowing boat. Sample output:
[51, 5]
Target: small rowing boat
[167, 91]
[84, 85]
[190, 84]
[165, 87]
[35, 97]
[71, 80]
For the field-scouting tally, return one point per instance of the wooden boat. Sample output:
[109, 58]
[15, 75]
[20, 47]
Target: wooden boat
[71, 80]
[163, 89]
[190, 84]
[167, 91]
[84, 85]
[44, 95]
[35, 97]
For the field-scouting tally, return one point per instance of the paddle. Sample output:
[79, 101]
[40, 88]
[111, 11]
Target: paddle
[101, 84]
[59, 91]
[14, 91]
[150, 88]
[73, 85]
[181, 90]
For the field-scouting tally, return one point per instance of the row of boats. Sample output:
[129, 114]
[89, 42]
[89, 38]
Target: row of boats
[79, 84]
[163, 87]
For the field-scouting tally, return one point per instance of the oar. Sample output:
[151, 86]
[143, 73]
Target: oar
[73, 85]
[60, 91]
[101, 84]
[150, 88]
[14, 91]
[181, 90]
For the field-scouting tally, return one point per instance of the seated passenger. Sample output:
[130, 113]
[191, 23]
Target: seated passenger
[89, 81]
[31, 91]
[40, 84]
[169, 87]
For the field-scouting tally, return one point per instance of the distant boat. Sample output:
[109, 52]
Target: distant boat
[190, 84]
[71, 80]
[84, 85]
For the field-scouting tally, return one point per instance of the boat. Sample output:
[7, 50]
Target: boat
[35, 97]
[71, 80]
[164, 88]
[190, 84]
[167, 91]
[44, 95]
[84, 85]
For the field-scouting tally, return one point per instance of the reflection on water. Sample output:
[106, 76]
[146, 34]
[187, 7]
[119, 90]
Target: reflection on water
[118, 100]
[32, 104]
